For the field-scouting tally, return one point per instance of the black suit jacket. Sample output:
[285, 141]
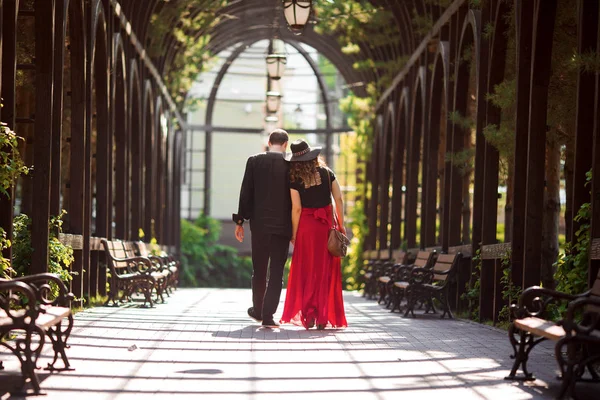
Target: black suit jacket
[265, 195]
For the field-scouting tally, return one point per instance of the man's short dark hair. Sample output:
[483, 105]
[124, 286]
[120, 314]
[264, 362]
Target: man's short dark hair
[278, 136]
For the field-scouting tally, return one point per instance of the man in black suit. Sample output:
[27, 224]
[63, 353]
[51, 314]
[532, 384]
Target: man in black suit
[265, 201]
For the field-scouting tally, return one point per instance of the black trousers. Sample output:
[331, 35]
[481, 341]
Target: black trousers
[269, 253]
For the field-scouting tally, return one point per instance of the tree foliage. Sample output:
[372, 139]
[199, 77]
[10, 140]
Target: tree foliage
[188, 24]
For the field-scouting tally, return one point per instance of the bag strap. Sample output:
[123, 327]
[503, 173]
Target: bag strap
[333, 208]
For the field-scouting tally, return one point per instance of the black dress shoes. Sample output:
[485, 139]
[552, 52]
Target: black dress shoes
[252, 314]
[269, 323]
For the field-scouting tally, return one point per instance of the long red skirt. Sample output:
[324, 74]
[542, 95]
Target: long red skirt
[314, 290]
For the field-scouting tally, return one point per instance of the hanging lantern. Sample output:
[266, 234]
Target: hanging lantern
[274, 86]
[298, 116]
[276, 65]
[271, 123]
[297, 13]
[273, 102]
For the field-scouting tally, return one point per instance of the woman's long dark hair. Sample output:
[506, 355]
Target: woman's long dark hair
[307, 171]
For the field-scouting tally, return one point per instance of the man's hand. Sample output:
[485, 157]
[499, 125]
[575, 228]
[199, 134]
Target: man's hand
[239, 233]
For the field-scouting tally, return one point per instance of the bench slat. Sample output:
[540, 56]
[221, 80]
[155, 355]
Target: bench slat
[52, 316]
[541, 327]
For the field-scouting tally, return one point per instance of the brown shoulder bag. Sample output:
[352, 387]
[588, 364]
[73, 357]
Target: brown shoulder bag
[337, 242]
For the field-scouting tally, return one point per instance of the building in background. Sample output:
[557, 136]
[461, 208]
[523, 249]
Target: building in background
[239, 129]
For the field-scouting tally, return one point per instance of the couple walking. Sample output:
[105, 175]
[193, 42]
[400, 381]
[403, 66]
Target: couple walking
[288, 199]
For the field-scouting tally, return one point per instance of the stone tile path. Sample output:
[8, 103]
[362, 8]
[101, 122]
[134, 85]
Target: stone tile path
[201, 344]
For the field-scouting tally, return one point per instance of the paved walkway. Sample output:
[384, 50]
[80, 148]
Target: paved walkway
[201, 343]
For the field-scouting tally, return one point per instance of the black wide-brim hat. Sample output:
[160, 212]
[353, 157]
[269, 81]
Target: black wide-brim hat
[301, 151]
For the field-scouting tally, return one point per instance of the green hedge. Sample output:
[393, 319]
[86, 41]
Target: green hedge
[205, 263]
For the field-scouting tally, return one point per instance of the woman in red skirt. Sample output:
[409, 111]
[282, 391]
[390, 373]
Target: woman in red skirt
[314, 290]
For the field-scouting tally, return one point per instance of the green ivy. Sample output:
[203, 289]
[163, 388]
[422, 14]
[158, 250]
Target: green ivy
[11, 167]
[353, 262]
[11, 164]
[473, 288]
[510, 292]
[60, 256]
[572, 267]
[5, 267]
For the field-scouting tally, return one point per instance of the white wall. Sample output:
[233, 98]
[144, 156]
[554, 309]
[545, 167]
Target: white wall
[245, 83]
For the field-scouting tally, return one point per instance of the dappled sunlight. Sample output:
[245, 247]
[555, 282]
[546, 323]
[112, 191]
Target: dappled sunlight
[202, 343]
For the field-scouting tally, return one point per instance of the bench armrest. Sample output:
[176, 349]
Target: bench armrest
[402, 272]
[39, 283]
[136, 264]
[589, 320]
[534, 301]
[13, 304]
[158, 260]
[420, 275]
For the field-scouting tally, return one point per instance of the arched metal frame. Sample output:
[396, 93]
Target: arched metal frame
[104, 91]
[158, 164]
[324, 97]
[212, 98]
[210, 107]
[136, 126]
[121, 131]
[454, 181]
[400, 134]
[101, 46]
[373, 177]
[439, 78]
[387, 148]
[131, 19]
[417, 124]
[148, 144]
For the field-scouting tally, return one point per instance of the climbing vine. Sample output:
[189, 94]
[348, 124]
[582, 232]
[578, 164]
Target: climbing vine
[188, 25]
[572, 266]
[510, 291]
[60, 256]
[11, 167]
[473, 287]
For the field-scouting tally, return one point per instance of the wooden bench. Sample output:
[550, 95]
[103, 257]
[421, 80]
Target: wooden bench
[161, 272]
[577, 335]
[426, 284]
[167, 261]
[28, 316]
[399, 280]
[385, 279]
[131, 275]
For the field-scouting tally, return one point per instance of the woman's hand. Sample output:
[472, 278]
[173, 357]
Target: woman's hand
[342, 229]
[293, 240]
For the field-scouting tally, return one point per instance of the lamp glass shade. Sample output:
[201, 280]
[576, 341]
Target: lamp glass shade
[273, 101]
[276, 65]
[271, 123]
[296, 14]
